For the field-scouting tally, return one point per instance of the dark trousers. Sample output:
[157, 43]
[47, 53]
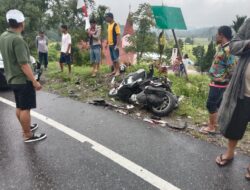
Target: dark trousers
[239, 121]
[43, 59]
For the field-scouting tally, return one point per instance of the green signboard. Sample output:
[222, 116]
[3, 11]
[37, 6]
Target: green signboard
[169, 17]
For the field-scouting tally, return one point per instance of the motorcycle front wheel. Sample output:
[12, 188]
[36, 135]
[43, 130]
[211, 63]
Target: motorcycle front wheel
[166, 107]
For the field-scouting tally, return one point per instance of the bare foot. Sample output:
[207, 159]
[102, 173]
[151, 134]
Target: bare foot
[117, 74]
[111, 74]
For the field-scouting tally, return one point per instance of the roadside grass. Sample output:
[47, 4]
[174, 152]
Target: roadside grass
[195, 93]
[80, 83]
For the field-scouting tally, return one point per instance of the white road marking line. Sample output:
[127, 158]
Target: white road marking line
[115, 157]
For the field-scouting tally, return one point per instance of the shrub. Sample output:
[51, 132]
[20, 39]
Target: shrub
[53, 54]
[80, 57]
[196, 89]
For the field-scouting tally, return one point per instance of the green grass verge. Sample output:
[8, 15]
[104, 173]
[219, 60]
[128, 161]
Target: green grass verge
[195, 94]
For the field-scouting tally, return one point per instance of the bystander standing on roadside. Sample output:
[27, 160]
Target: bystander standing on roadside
[42, 48]
[65, 57]
[16, 56]
[114, 42]
[220, 74]
[234, 113]
[95, 46]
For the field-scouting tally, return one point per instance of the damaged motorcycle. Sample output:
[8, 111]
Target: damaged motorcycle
[142, 88]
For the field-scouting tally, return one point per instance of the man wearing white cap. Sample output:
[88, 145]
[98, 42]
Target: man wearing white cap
[16, 57]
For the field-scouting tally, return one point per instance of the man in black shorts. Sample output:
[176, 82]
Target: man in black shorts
[16, 57]
[65, 57]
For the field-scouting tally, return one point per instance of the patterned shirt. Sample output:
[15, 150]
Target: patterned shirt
[222, 67]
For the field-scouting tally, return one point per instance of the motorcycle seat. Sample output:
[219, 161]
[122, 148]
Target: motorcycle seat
[154, 90]
[138, 75]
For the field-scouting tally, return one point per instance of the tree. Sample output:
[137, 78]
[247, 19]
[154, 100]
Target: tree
[199, 53]
[238, 22]
[189, 40]
[209, 57]
[43, 15]
[169, 48]
[35, 14]
[204, 59]
[181, 44]
[99, 15]
[161, 44]
[66, 12]
[144, 40]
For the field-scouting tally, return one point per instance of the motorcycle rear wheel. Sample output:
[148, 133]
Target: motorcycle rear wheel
[166, 107]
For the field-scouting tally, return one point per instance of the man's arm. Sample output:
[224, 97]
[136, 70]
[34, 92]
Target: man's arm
[118, 40]
[97, 34]
[22, 56]
[47, 40]
[89, 32]
[118, 33]
[240, 44]
[28, 72]
[239, 47]
[231, 62]
[69, 46]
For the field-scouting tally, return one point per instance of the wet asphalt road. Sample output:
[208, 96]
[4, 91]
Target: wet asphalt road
[61, 162]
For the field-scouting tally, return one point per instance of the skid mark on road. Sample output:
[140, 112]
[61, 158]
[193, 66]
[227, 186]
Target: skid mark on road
[108, 153]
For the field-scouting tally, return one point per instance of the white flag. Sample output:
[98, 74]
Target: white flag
[87, 24]
[80, 4]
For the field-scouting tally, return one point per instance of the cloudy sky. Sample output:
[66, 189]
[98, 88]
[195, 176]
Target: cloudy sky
[197, 13]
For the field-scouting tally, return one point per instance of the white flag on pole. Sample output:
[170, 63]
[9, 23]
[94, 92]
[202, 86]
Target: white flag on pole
[80, 4]
[87, 23]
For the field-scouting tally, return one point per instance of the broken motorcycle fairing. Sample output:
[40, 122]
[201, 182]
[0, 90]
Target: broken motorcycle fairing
[142, 88]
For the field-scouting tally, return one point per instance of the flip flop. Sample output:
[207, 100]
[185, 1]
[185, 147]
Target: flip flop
[247, 176]
[226, 161]
[206, 132]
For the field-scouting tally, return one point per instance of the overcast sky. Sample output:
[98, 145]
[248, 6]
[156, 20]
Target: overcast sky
[197, 13]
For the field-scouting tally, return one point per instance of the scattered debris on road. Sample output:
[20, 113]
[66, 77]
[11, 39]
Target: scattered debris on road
[174, 125]
[102, 102]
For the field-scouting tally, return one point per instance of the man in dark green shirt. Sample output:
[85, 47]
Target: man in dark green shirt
[16, 58]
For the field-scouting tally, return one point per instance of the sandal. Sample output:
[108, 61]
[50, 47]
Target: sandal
[223, 161]
[204, 131]
[247, 176]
